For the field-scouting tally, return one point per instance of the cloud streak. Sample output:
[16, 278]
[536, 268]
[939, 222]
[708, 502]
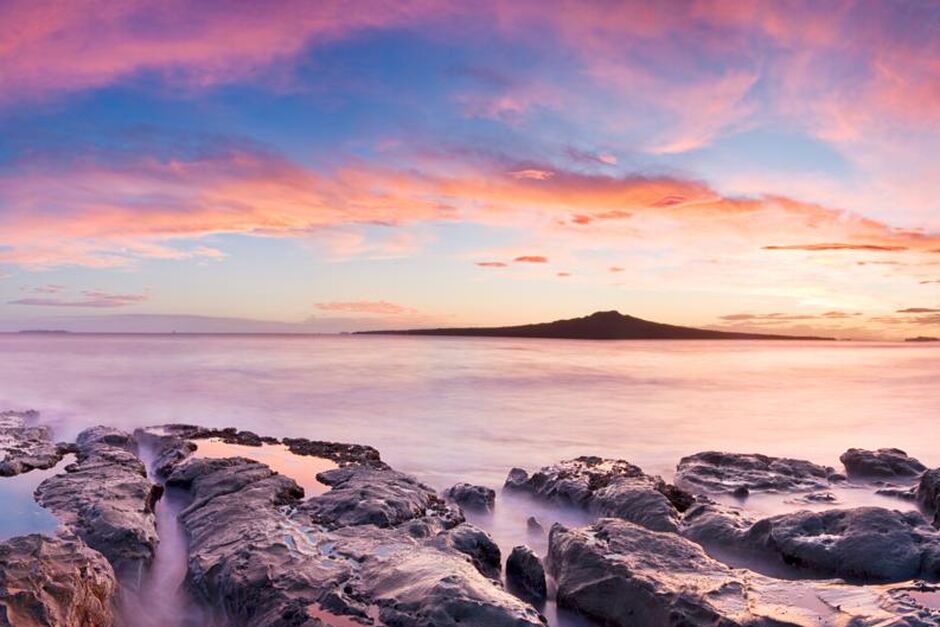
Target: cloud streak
[377, 307]
[93, 299]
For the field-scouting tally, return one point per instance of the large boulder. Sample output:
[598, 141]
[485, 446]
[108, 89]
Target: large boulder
[606, 487]
[714, 472]
[863, 545]
[884, 464]
[107, 500]
[624, 575]
[54, 582]
[474, 498]
[25, 445]
[384, 548]
[928, 494]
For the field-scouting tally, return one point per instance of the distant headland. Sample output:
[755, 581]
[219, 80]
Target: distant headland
[602, 325]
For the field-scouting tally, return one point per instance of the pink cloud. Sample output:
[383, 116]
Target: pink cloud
[53, 48]
[379, 307]
[531, 259]
[536, 175]
[491, 264]
[96, 299]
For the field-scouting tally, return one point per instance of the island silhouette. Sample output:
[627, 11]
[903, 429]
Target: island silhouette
[601, 325]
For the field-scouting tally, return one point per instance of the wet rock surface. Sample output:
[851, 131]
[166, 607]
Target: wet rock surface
[54, 582]
[928, 494]
[525, 575]
[384, 547]
[25, 446]
[884, 463]
[622, 575]
[363, 495]
[714, 472]
[607, 487]
[472, 497]
[107, 500]
[862, 545]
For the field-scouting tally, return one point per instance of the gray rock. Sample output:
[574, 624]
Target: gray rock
[863, 545]
[928, 494]
[623, 575]
[866, 544]
[533, 526]
[475, 498]
[476, 544]
[885, 463]
[54, 582]
[714, 472]
[25, 446]
[607, 487]
[263, 557]
[525, 575]
[363, 495]
[164, 452]
[107, 500]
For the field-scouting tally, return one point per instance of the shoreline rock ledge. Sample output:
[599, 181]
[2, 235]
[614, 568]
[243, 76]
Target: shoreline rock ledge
[378, 547]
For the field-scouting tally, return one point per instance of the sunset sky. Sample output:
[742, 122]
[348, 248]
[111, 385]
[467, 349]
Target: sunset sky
[325, 166]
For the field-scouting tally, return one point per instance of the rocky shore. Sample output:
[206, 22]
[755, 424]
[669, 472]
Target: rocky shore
[379, 547]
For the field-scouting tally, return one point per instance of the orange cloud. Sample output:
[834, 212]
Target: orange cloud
[104, 210]
[838, 246]
[380, 307]
[531, 259]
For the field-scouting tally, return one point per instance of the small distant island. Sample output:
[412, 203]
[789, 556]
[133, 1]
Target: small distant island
[43, 331]
[602, 325]
[923, 338]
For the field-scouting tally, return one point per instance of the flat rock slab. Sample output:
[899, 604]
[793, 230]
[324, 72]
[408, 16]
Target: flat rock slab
[54, 582]
[714, 472]
[384, 547]
[363, 495]
[882, 464]
[25, 445]
[107, 500]
[862, 545]
[624, 575]
[606, 487]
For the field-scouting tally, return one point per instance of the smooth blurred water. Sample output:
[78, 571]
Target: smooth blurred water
[465, 409]
[450, 409]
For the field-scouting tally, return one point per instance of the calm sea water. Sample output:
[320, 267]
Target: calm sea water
[465, 409]
[450, 409]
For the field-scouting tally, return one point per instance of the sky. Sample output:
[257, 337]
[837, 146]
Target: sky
[331, 166]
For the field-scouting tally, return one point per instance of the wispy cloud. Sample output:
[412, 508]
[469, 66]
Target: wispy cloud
[95, 299]
[531, 259]
[379, 307]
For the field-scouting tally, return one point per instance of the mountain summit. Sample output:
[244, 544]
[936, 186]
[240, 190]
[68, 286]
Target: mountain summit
[601, 325]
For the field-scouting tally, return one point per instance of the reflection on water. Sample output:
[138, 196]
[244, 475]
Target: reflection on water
[469, 409]
[844, 496]
[301, 468]
[20, 514]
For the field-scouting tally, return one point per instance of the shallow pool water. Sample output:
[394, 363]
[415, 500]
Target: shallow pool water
[20, 514]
